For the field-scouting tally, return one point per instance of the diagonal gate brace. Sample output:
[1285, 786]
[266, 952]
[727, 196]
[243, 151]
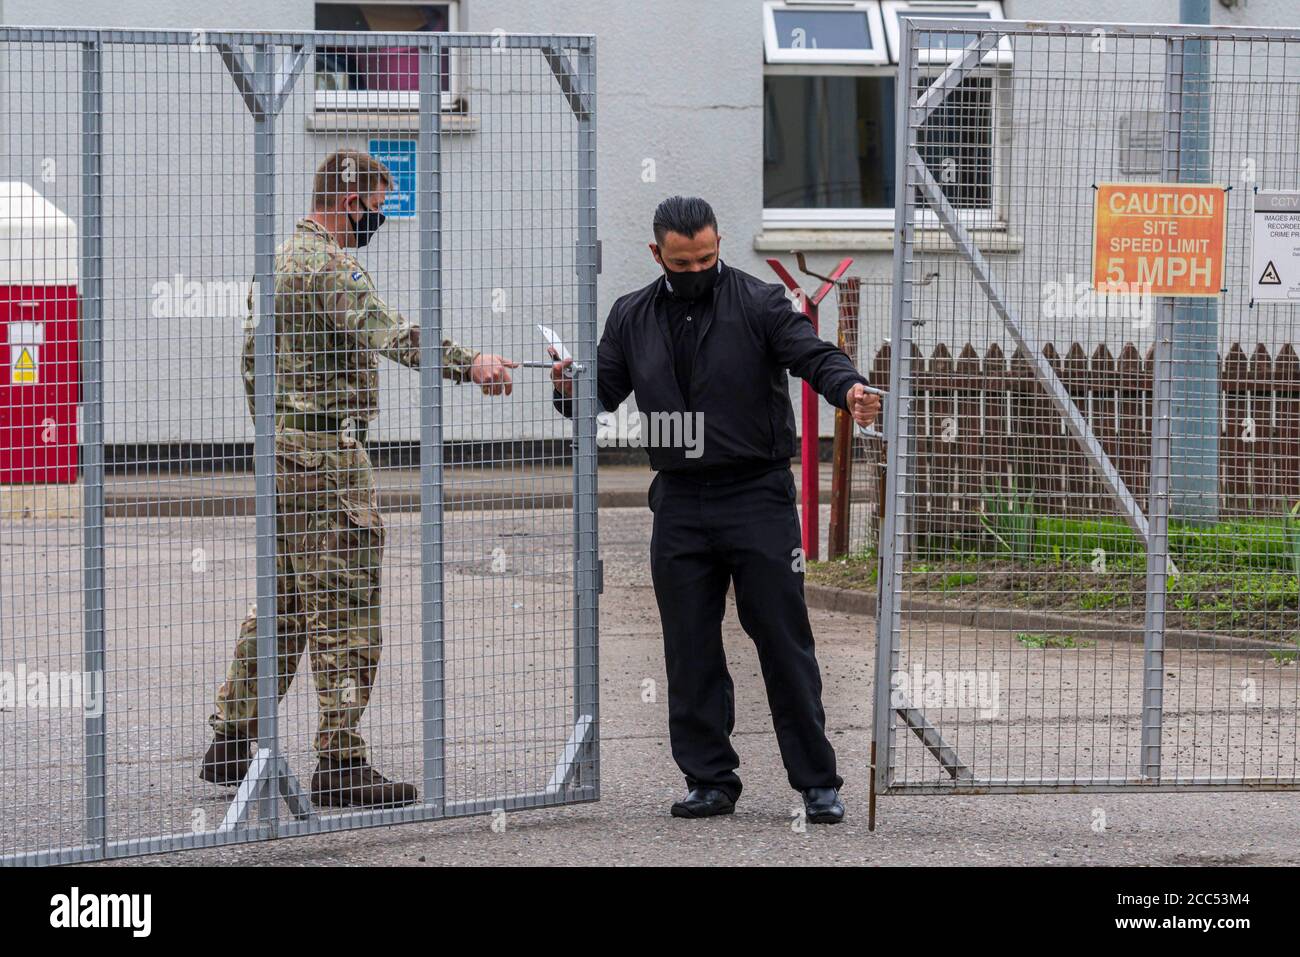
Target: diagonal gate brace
[267, 777]
[570, 759]
[570, 85]
[261, 102]
[946, 755]
[952, 77]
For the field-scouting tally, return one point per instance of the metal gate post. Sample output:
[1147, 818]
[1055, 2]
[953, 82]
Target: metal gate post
[809, 464]
[432, 609]
[1194, 441]
[586, 692]
[1153, 638]
[1153, 652]
[264, 420]
[264, 87]
[92, 422]
[897, 427]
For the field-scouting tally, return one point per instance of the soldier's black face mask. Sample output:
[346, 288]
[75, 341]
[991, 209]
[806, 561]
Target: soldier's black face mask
[692, 285]
[367, 225]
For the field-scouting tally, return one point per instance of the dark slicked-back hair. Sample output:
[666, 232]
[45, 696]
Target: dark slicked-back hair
[685, 215]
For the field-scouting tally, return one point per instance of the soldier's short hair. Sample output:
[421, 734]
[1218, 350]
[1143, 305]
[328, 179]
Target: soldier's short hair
[348, 171]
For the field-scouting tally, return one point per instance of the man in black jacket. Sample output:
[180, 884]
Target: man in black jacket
[711, 342]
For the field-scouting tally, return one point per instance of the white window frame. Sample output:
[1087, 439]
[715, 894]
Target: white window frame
[869, 217]
[334, 102]
[950, 9]
[845, 218]
[877, 55]
[876, 218]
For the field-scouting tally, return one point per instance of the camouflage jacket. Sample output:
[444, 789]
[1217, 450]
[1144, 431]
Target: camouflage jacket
[331, 328]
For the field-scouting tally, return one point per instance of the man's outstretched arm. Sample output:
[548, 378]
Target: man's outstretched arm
[822, 364]
[388, 332]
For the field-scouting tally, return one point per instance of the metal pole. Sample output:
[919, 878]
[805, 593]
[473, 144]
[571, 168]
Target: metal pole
[1194, 486]
[92, 423]
[811, 478]
[586, 564]
[837, 544]
[432, 656]
[897, 426]
[810, 306]
[1153, 657]
[1162, 441]
[264, 421]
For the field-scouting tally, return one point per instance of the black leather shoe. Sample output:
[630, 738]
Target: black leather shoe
[823, 805]
[704, 802]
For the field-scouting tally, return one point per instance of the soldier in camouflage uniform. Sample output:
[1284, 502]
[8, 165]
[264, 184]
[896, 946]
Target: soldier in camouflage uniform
[331, 328]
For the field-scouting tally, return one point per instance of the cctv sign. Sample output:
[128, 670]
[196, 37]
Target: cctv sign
[1159, 239]
[1275, 247]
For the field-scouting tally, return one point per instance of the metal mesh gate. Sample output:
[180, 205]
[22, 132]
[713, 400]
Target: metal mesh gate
[870, 302]
[1090, 554]
[148, 179]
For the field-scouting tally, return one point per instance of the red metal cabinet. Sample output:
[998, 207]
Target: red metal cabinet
[40, 382]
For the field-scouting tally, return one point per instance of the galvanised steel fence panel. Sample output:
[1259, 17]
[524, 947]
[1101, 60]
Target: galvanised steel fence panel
[213, 478]
[870, 301]
[1080, 588]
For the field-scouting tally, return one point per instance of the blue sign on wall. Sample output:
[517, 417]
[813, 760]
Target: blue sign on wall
[399, 157]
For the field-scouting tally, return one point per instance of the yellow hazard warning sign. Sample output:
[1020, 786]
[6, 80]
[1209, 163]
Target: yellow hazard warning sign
[23, 369]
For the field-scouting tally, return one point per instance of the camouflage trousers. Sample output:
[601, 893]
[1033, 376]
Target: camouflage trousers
[330, 540]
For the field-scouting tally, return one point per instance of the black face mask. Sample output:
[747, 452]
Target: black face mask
[367, 226]
[692, 285]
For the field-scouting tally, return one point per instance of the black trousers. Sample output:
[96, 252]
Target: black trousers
[746, 533]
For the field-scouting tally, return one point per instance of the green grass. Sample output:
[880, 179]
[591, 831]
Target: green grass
[1238, 576]
[1243, 545]
[956, 580]
[1010, 521]
[1033, 640]
[1097, 600]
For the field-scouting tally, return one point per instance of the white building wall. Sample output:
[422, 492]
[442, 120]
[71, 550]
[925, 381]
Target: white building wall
[679, 90]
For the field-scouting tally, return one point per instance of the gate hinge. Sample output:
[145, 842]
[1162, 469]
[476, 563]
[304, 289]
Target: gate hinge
[600, 576]
[600, 258]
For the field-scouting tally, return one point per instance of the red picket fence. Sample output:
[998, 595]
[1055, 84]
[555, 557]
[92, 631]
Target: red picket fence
[985, 427]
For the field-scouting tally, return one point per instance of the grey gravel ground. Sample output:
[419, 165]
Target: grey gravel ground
[631, 825]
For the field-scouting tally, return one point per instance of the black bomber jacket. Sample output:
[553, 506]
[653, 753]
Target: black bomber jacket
[748, 336]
